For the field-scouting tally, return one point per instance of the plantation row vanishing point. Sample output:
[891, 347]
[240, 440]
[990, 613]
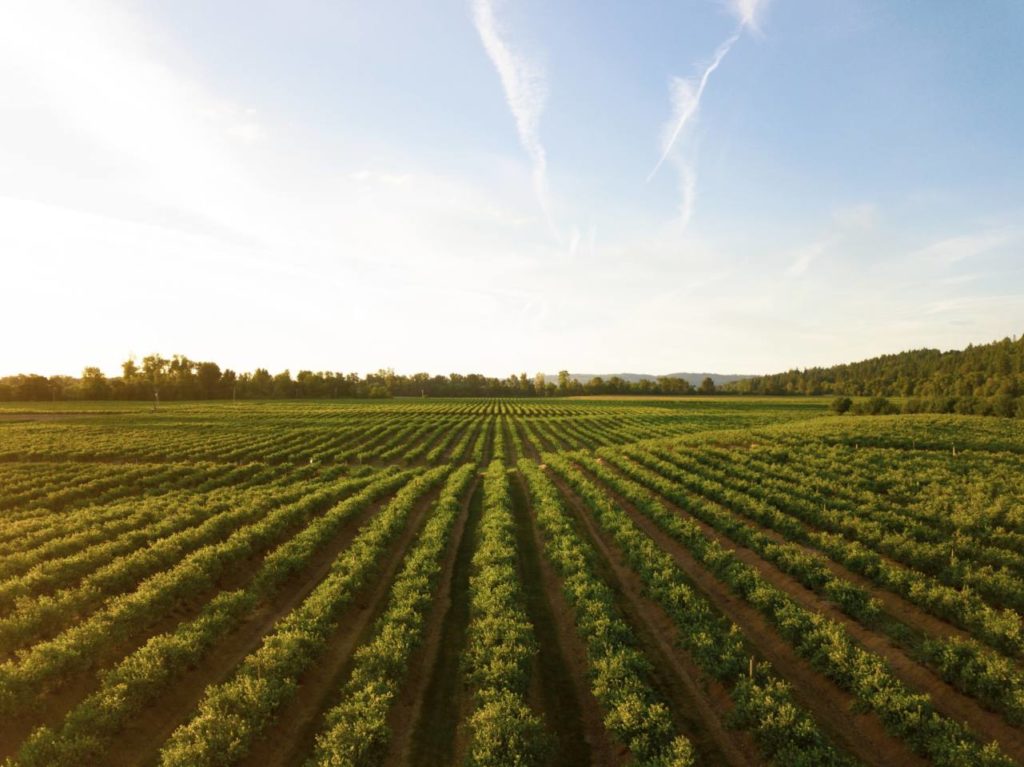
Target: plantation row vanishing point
[498, 582]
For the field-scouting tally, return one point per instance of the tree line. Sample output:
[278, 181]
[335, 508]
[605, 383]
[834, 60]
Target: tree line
[987, 379]
[179, 378]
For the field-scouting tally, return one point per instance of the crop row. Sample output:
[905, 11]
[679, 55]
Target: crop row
[500, 642]
[142, 676]
[233, 713]
[1001, 629]
[924, 541]
[715, 644]
[972, 668]
[355, 731]
[41, 615]
[828, 647]
[23, 680]
[634, 713]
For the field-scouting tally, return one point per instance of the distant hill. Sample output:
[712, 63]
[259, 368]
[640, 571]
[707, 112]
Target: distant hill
[720, 379]
[992, 374]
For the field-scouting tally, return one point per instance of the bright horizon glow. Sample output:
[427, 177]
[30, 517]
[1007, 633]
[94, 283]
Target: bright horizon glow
[464, 187]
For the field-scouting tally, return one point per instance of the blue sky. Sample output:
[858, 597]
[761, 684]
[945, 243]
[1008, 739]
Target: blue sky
[468, 186]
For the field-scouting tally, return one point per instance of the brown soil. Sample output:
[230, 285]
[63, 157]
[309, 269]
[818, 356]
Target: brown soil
[447, 455]
[919, 678]
[290, 737]
[861, 734]
[559, 686]
[602, 752]
[75, 686]
[699, 704]
[902, 610]
[141, 740]
[908, 613]
[438, 736]
[408, 706]
[528, 447]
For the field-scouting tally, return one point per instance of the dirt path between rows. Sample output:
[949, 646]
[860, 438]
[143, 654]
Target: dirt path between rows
[290, 737]
[436, 736]
[699, 705]
[141, 740]
[408, 708]
[861, 734]
[75, 686]
[899, 608]
[559, 675]
[919, 678]
[528, 447]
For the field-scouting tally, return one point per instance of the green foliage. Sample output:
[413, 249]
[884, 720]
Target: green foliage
[634, 713]
[355, 731]
[233, 713]
[713, 642]
[987, 379]
[500, 642]
[827, 646]
[841, 405]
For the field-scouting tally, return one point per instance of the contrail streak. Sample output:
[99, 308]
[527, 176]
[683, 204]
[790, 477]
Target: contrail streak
[689, 109]
[525, 92]
[686, 103]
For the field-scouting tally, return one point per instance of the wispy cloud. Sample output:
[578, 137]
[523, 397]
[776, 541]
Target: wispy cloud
[806, 256]
[954, 249]
[686, 95]
[848, 223]
[747, 12]
[525, 89]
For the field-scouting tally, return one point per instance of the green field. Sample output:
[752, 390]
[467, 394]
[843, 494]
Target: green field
[494, 582]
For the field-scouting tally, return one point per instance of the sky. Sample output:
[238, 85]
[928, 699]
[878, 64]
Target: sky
[497, 186]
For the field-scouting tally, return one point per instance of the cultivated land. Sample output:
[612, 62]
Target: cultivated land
[667, 582]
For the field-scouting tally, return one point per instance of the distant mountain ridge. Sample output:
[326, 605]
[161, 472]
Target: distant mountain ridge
[694, 378]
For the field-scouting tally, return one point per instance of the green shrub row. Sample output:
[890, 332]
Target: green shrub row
[1001, 629]
[25, 679]
[979, 672]
[86, 732]
[713, 642]
[808, 569]
[500, 642]
[634, 713]
[38, 617]
[828, 648]
[927, 542]
[232, 714]
[355, 732]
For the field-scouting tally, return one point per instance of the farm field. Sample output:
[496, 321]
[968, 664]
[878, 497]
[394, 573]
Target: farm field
[713, 581]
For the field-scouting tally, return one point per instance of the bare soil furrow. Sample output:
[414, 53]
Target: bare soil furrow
[140, 743]
[862, 734]
[409, 707]
[700, 705]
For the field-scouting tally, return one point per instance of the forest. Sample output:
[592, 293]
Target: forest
[987, 379]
